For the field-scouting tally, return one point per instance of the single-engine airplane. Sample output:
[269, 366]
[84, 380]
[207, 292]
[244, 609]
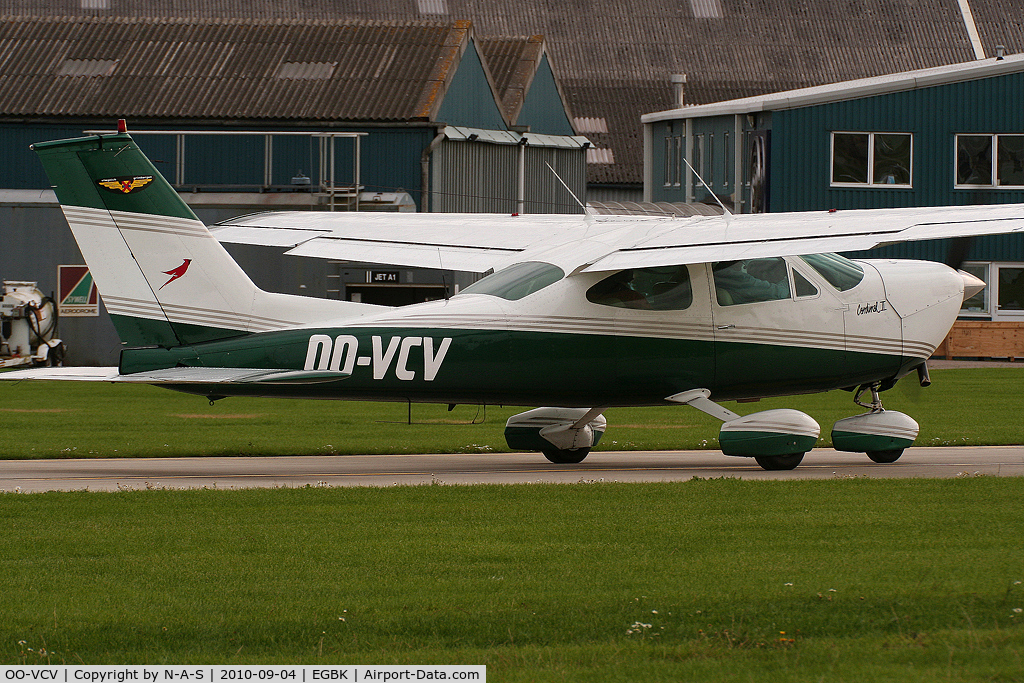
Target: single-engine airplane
[580, 312]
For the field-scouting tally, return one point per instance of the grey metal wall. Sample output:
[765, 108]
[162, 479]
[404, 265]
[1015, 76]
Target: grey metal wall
[484, 177]
[36, 240]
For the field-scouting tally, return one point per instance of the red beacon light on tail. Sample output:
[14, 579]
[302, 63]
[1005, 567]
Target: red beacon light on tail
[122, 126]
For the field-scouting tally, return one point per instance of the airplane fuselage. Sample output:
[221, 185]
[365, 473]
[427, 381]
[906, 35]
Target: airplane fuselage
[565, 345]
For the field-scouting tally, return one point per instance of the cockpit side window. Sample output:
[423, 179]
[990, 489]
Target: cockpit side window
[838, 271]
[751, 281]
[515, 282]
[664, 288]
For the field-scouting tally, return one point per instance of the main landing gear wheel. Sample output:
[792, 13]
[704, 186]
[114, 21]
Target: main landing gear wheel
[885, 456]
[566, 456]
[775, 463]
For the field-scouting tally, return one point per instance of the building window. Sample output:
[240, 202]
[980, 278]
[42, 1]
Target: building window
[698, 159]
[872, 159]
[1011, 290]
[974, 161]
[977, 305]
[673, 154]
[728, 160]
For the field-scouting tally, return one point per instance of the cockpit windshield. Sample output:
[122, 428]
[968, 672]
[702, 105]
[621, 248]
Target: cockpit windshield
[515, 282]
[838, 271]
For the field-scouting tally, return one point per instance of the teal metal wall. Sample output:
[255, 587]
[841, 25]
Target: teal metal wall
[390, 157]
[801, 172]
[470, 101]
[800, 155]
[716, 165]
[543, 111]
[801, 139]
[21, 168]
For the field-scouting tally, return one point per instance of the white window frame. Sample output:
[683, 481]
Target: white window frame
[811, 280]
[993, 162]
[994, 296]
[988, 292]
[871, 160]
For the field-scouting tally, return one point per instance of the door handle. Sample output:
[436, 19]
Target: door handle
[726, 327]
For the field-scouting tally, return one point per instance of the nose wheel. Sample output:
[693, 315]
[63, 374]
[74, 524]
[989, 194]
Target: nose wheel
[778, 463]
[880, 434]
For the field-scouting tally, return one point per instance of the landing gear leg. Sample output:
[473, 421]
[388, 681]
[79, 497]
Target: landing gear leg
[876, 403]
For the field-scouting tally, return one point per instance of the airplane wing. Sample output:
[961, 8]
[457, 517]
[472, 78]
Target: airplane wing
[788, 234]
[178, 375]
[467, 242]
[478, 242]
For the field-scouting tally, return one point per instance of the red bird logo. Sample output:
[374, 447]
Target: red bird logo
[176, 272]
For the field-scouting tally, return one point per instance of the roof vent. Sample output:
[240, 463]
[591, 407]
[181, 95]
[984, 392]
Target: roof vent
[1000, 52]
[678, 89]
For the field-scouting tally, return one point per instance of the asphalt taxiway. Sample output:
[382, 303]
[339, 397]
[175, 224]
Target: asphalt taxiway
[489, 468]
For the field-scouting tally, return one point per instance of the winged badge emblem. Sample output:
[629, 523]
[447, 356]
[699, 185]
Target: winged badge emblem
[125, 184]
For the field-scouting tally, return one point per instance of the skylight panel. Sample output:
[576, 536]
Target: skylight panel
[87, 67]
[707, 9]
[432, 6]
[310, 71]
[588, 124]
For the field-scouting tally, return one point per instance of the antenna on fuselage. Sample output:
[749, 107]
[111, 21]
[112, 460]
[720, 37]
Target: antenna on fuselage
[727, 213]
[587, 210]
[444, 279]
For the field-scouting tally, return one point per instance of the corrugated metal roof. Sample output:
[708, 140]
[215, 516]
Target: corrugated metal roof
[513, 62]
[756, 47]
[226, 68]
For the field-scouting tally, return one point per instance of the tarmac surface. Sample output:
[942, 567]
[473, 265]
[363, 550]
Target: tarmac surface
[499, 468]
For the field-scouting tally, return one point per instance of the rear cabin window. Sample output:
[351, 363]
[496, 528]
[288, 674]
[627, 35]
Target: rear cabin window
[664, 288]
[515, 282]
[752, 281]
[838, 271]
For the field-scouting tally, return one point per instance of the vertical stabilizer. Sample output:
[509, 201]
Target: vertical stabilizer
[164, 278]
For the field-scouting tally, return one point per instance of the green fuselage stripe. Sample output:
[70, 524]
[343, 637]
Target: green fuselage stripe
[514, 367]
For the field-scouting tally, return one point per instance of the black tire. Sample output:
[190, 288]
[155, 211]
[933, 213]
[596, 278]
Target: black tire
[775, 463]
[886, 456]
[565, 457]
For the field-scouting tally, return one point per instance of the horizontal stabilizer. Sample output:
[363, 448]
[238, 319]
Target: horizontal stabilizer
[180, 376]
[106, 374]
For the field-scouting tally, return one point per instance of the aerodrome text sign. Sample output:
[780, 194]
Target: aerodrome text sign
[78, 295]
[226, 674]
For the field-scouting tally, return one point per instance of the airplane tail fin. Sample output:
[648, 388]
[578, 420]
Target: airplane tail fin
[164, 278]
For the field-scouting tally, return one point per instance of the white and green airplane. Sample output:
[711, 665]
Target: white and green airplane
[580, 312]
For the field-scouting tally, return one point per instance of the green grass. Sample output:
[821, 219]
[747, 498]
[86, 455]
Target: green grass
[842, 580]
[67, 419]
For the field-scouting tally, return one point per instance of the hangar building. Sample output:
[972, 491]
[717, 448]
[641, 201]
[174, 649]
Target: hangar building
[250, 115]
[949, 135]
